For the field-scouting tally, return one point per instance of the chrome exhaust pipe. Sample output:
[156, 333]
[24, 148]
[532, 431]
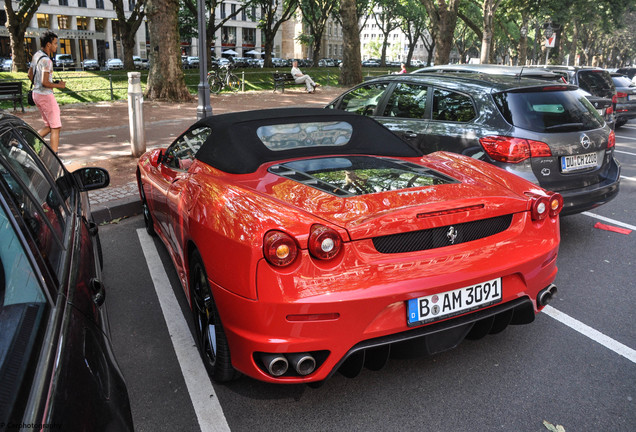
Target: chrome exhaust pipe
[303, 363]
[276, 364]
[546, 294]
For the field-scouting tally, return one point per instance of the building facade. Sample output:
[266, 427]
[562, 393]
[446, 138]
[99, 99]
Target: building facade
[85, 28]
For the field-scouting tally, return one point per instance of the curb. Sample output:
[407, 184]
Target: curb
[116, 209]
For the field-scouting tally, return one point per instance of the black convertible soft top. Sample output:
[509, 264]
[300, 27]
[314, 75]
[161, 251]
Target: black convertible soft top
[234, 146]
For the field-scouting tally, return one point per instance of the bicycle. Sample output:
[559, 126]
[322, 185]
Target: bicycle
[222, 77]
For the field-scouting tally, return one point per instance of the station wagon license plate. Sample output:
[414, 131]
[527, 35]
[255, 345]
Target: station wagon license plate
[447, 304]
[577, 162]
[631, 97]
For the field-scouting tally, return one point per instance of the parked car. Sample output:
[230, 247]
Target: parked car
[6, 65]
[279, 62]
[545, 132]
[326, 62]
[625, 99]
[371, 63]
[90, 64]
[56, 361]
[630, 72]
[140, 63]
[597, 83]
[323, 241]
[193, 62]
[64, 61]
[114, 64]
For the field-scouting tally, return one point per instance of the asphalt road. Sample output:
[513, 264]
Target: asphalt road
[581, 376]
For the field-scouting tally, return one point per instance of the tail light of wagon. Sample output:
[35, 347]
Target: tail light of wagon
[280, 249]
[611, 141]
[324, 242]
[513, 150]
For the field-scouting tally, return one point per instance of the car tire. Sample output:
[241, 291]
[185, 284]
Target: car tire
[210, 337]
[619, 123]
[148, 220]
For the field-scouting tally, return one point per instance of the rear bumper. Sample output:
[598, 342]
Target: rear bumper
[579, 200]
[367, 294]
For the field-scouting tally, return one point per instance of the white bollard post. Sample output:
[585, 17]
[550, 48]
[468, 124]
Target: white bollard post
[136, 114]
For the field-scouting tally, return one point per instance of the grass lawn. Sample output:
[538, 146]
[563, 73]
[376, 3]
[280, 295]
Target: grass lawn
[113, 85]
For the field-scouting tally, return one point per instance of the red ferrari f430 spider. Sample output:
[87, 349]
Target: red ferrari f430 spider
[311, 241]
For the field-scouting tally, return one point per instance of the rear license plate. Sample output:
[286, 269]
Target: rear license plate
[450, 303]
[631, 97]
[577, 162]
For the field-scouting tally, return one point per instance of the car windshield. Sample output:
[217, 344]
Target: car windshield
[548, 111]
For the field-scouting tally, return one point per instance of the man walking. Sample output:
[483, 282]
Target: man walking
[300, 78]
[41, 74]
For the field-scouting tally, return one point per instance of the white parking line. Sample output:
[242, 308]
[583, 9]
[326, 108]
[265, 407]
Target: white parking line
[206, 404]
[625, 137]
[606, 219]
[628, 178]
[595, 335]
[624, 152]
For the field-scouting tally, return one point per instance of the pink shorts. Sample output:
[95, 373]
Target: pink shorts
[49, 109]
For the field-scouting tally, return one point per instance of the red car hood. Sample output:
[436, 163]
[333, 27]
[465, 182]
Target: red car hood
[481, 191]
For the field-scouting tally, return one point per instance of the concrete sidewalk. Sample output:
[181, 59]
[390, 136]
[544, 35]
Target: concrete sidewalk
[93, 134]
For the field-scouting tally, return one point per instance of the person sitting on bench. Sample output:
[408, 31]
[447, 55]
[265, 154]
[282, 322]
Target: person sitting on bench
[300, 78]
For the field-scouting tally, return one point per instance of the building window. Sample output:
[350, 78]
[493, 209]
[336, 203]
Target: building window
[243, 15]
[228, 36]
[44, 21]
[222, 10]
[82, 23]
[99, 4]
[233, 6]
[100, 25]
[249, 37]
[64, 22]
[81, 3]
[63, 2]
[131, 5]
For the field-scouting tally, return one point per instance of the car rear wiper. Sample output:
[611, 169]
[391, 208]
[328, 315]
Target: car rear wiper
[565, 126]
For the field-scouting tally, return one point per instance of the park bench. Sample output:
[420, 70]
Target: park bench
[281, 79]
[12, 90]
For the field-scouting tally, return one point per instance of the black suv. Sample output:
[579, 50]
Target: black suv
[545, 132]
[595, 81]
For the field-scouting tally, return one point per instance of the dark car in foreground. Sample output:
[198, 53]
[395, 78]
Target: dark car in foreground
[57, 366]
[310, 241]
[625, 98]
[545, 132]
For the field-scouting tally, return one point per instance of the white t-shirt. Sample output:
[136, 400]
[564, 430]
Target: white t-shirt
[295, 71]
[39, 67]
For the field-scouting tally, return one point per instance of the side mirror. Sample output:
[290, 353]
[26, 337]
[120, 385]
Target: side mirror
[156, 157]
[92, 178]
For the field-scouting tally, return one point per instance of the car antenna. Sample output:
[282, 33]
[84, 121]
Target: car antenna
[520, 73]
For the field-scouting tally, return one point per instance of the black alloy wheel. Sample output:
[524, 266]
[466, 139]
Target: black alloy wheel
[209, 334]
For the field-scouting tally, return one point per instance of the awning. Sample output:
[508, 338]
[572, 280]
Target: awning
[230, 52]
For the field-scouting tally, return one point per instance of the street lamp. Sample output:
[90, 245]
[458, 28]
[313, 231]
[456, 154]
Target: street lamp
[524, 31]
[549, 32]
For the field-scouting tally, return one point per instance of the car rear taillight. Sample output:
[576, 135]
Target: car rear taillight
[609, 111]
[280, 249]
[620, 95]
[324, 242]
[611, 140]
[544, 206]
[555, 204]
[513, 150]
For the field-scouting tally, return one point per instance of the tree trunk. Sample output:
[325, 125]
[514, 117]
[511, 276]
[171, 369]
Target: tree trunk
[128, 43]
[351, 71]
[443, 16]
[17, 23]
[269, 45]
[488, 9]
[165, 79]
[523, 42]
[18, 50]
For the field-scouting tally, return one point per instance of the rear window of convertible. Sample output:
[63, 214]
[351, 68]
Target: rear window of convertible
[300, 135]
[548, 111]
